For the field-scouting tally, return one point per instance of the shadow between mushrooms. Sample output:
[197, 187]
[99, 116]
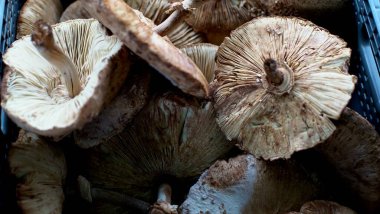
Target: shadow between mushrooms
[278, 82]
[59, 78]
[40, 169]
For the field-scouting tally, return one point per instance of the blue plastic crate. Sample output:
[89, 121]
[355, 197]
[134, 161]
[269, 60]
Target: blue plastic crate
[367, 61]
[9, 10]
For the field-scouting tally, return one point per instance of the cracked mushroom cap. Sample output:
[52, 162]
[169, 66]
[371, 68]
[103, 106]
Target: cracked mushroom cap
[40, 170]
[354, 152]
[115, 117]
[248, 185]
[62, 81]
[33, 10]
[278, 82]
[140, 38]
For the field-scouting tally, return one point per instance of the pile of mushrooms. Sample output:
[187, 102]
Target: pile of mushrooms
[185, 106]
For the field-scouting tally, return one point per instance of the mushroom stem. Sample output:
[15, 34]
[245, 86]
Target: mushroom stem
[165, 193]
[163, 206]
[89, 194]
[43, 39]
[173, 20]
[275, 73]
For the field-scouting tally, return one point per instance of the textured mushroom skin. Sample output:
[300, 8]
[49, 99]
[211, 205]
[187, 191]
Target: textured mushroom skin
[247, 185]
[325, 207]
[33, 10]
[172, 135]
[167, 59]
[41, 170]
[273, 122]
[32, 109]
[114, 117]
[354, 151]
[222, 15]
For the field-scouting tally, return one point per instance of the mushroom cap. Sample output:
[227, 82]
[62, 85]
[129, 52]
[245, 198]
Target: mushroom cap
[222, 15]
[172, 136]
[32, 93]
[325, 207]
[273, 121]
[163, 56]
[354, 152]
[247, 185]
[114, 117]
[75, 10]
[204, 55]
[156, 10]
[40, 169]
[33, 10]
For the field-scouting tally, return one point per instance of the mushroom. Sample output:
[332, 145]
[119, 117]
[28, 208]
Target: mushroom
[353, 150]
[248, 185]
[172, 137]
[163, 56]
[222, 17]
[172, 140]
[154, 10]
[40, 170]
[115, 116]
[204, 55]
[33, 10]
[59, 78]
[278, 81]
[325, 207]
[75, 10]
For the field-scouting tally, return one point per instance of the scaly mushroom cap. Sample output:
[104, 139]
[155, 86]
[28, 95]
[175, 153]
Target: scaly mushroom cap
[75, 10]
[354, 152]
[222, 15]
[325, 207]
[114, 117]
[40, 169]
[247, 185]
[163, 56]
[33, 10]
[278, 81]
[35, 97]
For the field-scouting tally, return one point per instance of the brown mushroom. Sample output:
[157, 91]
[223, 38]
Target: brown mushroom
[353, 150]
[59, 78]
[247, 185]
[75, 10]
[278, 82]
[33, 10]
[114, 117]
[173, 137]
[40, 170]
[163, 56]
[325, 207]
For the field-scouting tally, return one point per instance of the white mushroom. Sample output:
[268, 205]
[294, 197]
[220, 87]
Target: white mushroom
[59, 78]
